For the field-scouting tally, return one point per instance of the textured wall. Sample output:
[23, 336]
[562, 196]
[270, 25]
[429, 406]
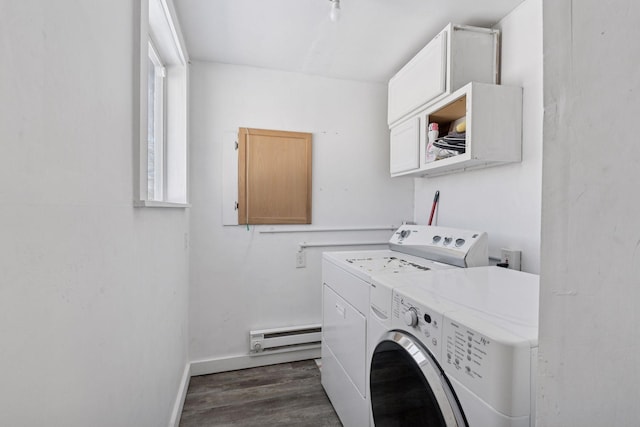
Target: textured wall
[243, 279]
[93, 292]
[590, 283]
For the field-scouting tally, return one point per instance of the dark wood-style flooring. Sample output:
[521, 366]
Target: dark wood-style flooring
[288, 394]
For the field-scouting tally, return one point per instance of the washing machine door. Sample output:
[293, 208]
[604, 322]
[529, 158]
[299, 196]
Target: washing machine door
[408, 387]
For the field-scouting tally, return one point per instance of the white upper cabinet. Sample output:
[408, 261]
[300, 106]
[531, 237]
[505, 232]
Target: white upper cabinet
[405, 153]
[421, 80]
[484, 122]
[453, 83]
[456, 56]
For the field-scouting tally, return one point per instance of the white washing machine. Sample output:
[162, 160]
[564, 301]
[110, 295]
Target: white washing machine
[347, 282]
[461, 350]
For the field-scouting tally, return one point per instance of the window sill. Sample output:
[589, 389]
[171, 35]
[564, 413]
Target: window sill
[157, 204]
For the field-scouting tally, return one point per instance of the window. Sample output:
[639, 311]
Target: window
[155, 127]
[163, 159]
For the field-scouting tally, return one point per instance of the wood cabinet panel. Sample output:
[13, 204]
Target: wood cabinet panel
[274, 177]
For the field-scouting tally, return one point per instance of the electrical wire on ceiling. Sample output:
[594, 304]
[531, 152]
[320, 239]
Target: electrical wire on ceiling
[334, 12]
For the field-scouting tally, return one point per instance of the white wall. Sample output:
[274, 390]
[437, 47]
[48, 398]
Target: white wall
[242, 279]
[504, 201]
[93, 292]
[590, 286]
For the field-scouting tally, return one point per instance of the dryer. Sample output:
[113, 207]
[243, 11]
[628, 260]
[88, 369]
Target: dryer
[461, 350]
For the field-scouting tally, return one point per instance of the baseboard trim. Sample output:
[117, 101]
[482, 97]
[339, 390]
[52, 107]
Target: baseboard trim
[233, 363]
[182, 394]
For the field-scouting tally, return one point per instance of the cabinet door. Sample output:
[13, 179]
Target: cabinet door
[421, 80]
[344, 331]
[405, 146]
[274, 177]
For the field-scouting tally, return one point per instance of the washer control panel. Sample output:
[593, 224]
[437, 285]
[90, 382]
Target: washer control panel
[424, 324]
[443, 329]
[466, 350]
[488, 354]
[433, 236]
[462, 248]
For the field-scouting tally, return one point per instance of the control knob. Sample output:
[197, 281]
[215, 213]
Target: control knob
[411, 317]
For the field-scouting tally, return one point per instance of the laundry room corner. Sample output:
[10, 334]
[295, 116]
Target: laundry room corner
[244, 278]
[504, 201]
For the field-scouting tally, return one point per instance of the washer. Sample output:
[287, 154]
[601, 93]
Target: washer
[461, 350]
[348, 296]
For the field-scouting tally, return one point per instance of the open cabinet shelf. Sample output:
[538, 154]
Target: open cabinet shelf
[493, 117]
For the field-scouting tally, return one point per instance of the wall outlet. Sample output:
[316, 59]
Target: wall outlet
[511, 257]
[301, 259]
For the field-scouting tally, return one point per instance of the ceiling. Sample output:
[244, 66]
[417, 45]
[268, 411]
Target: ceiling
[370, 42]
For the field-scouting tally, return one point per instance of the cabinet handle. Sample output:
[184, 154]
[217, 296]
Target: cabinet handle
[340, 309]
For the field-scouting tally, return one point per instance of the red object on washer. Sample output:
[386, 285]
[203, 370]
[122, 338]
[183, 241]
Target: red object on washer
[433, 206]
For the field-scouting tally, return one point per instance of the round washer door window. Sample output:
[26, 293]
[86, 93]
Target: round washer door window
[408, 387]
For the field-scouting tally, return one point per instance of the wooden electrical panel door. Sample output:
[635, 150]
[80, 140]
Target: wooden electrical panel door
[274, 177]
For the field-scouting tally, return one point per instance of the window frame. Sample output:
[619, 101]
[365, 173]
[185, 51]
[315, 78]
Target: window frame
[160, 34]
[156, 179]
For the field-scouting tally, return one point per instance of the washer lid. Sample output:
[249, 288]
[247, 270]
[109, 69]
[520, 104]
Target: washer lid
[366, 264]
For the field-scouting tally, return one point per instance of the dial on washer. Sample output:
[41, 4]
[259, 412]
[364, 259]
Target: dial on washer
[411, 317]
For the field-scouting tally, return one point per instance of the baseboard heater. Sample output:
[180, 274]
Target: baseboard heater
[280, 340]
